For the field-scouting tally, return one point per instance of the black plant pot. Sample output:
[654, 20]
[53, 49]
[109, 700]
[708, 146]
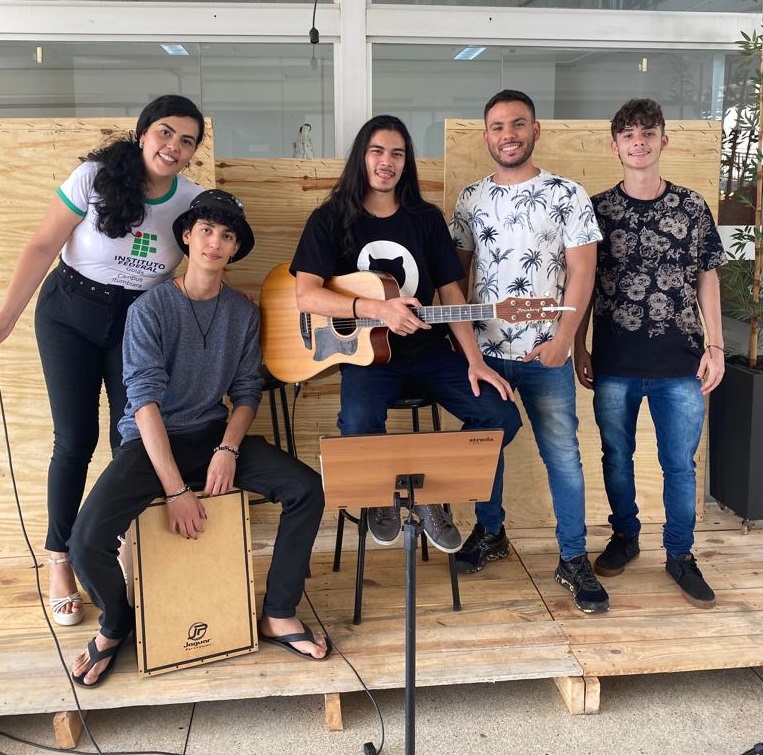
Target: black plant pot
[735, 454]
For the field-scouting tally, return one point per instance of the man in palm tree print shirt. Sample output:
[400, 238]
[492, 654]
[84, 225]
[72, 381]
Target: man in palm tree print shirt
[525, 232]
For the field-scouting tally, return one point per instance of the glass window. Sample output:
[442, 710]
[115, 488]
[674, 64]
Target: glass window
[259, 95]
[424, 84]
[707, 6]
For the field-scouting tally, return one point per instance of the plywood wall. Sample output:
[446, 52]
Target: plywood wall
[580, 150]
[35, 156]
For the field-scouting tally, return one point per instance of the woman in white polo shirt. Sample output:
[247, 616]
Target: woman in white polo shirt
[111, 222]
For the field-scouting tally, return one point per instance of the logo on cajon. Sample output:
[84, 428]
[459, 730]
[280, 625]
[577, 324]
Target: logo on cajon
[197, 630]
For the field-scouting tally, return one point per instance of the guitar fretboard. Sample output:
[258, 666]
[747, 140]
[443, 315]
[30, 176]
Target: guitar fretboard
[438, 314]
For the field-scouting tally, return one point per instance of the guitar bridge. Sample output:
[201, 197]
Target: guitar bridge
[305, 330]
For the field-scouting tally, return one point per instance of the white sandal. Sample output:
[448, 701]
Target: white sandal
[60, 616]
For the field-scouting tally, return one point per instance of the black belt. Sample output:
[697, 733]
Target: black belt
[93, 289]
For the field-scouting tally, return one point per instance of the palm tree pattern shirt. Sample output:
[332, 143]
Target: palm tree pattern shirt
[646, 319]
[519, 236]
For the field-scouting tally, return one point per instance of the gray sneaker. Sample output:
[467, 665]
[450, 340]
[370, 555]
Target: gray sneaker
[438, 525]
[384, 524]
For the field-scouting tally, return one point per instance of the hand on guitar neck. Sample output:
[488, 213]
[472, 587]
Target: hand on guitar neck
[398, 314]
[297, 346]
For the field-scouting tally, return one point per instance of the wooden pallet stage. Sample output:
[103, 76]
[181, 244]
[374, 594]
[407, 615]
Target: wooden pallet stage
[516, 623]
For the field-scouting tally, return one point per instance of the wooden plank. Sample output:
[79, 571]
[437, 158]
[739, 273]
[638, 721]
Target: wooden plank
[659, 656]
[592, 695]
[333, 705]
[67, 728]
[572, 690]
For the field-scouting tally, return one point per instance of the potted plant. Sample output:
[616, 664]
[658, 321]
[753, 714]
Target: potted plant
[736, 406]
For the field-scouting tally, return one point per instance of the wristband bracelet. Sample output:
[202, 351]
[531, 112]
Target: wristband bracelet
[354, 303]
[230, 449]
[713, 346]
[172, 496]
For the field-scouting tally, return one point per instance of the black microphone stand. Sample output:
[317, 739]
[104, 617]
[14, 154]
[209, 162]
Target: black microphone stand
[412, 528]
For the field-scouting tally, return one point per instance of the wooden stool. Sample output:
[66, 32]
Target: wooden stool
[414, 405]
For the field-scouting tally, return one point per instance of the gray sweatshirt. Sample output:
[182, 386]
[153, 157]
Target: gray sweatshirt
[165, 361]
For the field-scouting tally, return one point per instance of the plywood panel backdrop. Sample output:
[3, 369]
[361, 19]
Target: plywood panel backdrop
[279, 195]
[36, 155]
[580, 150]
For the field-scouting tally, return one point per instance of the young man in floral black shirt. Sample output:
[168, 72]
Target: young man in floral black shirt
[656, 273]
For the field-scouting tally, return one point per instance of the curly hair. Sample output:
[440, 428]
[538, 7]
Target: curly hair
[637, 112]
[121, 178]
[346, 198]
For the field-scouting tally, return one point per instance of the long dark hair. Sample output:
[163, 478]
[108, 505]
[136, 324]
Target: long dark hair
[121, 177]
[346, 198]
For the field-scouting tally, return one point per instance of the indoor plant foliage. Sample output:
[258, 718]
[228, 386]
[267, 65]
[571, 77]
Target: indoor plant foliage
[736, 405]
[743, 163]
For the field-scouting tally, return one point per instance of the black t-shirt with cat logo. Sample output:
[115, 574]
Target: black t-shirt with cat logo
[414, 247]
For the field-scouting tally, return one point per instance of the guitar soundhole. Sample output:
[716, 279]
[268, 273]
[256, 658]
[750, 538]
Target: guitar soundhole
[343, 326]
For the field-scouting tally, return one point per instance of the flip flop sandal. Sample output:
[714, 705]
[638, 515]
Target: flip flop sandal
[64, 618]
[95, 655]
[284, 641]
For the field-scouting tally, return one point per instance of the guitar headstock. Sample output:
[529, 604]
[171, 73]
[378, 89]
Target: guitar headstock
[518, 309]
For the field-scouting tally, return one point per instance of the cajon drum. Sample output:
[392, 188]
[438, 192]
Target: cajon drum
[194, 599]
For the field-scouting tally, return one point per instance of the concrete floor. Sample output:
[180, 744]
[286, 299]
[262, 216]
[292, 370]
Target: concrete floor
[699, 713]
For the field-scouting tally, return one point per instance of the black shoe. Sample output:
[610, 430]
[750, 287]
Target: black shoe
[479, 548]
[578, 577]
[619, 551]
[686, 573]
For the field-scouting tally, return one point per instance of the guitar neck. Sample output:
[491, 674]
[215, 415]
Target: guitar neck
[439, 314]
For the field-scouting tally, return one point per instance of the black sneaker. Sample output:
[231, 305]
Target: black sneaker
[686, 573]
[619, 551]
[578, 577]
[479, 548]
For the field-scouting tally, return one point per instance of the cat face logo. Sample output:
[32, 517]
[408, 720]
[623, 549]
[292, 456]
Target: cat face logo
[197, 631]
[393, 258]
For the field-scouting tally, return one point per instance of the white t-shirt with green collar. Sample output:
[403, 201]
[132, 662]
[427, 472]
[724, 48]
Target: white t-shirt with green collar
[146, 256]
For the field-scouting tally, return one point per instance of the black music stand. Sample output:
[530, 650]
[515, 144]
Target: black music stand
[453, 467]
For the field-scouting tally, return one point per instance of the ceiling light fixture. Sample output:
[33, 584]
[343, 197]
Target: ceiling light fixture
[173, 49]
[469, 53]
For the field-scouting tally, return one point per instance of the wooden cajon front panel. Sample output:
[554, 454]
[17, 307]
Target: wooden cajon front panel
[194, 599]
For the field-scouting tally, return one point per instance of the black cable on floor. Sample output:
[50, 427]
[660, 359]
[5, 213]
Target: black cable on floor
[50, 626]
[368, 747]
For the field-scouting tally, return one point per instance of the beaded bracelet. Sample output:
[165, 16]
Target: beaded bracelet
[354, 303]
[230, 449]
[172, 496]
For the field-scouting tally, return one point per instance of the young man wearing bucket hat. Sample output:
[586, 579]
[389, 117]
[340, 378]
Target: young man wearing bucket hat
[189, 342]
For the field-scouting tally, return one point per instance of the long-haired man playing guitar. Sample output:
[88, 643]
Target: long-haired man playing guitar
[376, 219]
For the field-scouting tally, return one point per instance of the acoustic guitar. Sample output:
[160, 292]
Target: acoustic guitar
[297, 345]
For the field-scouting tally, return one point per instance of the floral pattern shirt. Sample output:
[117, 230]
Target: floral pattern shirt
[519, 235]
[646, 319]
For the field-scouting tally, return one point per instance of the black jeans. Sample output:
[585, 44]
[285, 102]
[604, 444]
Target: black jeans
[129, 484]
[79, 326]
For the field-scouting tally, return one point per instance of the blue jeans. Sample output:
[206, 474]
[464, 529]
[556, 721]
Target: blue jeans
[548, 395]
[368, 392]
[678, 412]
